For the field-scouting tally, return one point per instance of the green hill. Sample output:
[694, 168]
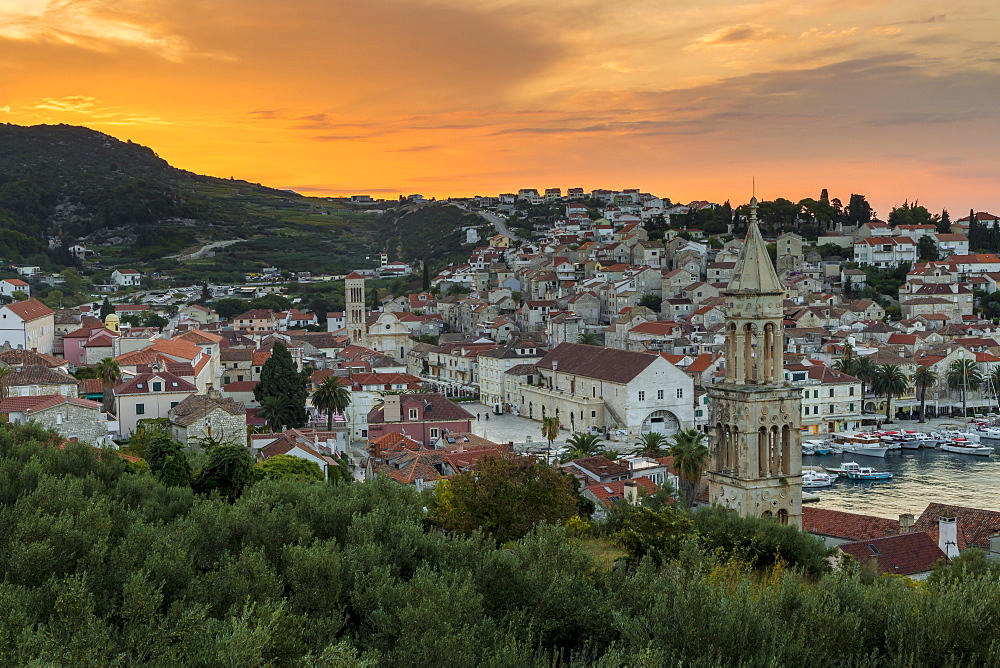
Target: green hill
[133, 208]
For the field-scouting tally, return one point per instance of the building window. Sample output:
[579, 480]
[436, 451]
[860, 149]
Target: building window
[815, 394]
[815, 410]
[680, 392]
[157, 386]
[593, 414]
[831, 408]
[851, 392]
[174, 403]
[659, 394]
[642, 395]
[140, 409]
[851, 407]
[434, 432]
[413, 413]
[831, 391]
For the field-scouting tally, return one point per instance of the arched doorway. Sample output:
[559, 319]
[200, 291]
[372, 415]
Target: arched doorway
[661, 422]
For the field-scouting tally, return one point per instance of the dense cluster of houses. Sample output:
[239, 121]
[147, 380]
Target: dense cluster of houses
[593, 322]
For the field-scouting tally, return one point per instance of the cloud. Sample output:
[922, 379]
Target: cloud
[83, 104]
[734, 36]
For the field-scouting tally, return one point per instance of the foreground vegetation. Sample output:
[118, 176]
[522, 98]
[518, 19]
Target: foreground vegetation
[103, 564]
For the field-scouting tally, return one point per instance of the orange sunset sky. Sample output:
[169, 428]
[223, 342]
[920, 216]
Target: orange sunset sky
[895, 99]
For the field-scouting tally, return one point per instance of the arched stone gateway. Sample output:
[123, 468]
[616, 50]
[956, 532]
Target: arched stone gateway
[661, 422]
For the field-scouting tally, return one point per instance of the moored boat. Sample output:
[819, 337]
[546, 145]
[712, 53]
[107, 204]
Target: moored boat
[866, 444]
[962, 446]
[812, 479]
[868, 473]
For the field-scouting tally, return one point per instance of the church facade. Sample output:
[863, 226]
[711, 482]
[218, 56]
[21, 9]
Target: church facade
[755, 462]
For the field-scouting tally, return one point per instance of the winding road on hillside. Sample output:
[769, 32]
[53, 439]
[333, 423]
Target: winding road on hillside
[498, 222]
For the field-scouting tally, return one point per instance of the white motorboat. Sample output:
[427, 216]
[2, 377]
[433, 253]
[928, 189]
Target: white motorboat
[812, 479]
[844, 468]
[817, 446]
[914, 440]
[962, 446]
[964, 435]
[866, 444]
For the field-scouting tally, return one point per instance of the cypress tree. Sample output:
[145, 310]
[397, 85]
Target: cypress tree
[278, 378]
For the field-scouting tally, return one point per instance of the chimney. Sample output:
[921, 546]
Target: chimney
[948, 536]
[905, 523]
[392, 411]
[555, 365]
[631, 493]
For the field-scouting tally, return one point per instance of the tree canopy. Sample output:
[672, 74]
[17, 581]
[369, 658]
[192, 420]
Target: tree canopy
[280, 378]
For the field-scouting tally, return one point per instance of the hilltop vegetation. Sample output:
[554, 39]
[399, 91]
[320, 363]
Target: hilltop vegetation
[121, 199]
[103, 564]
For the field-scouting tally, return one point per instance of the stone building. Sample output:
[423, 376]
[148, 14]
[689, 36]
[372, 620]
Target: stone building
[755, 421]
[71, 417]
[208, 417]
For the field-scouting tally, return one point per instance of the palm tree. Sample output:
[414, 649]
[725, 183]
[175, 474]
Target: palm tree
[652, 444]
[587, 339]
[923, 378]
[963, 375]
[277, 410]
[845, 365]
[690, 455]
[110, 373]
[994, 379]
[550, 431]
[890, 382]
[865, 371]
[331, 397]
[582, 445]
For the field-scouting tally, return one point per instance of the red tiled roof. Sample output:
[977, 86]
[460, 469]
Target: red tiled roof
[975, 525]
[610, 492]
[610, 364]
[34, 404]
[852, 526]
[898, 555]
[30, 309]
[140, 384]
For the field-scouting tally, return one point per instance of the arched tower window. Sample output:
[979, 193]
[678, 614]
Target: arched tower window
[783, 516]
[762, 452]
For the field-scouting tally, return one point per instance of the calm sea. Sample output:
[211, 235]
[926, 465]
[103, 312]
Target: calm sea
[920, 477]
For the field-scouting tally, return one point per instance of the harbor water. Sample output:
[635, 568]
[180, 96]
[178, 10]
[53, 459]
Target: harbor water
[919, 477]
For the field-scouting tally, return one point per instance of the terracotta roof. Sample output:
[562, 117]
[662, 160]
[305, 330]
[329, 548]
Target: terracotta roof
[600, 467]
[30, 309]
[177, 348]
[240, 386]
[22, 357]
[199, 336]
[608, 493]
[437, 408]
[852, 526]
[898, 555]
[29, 405]
[39, 375]
[236, 355]
[197, 406]
[975, 525]
[353, 275]
[92, 386]
[610, 364]
[140, 384]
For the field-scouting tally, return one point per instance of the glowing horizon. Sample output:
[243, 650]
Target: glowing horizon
[894, 100]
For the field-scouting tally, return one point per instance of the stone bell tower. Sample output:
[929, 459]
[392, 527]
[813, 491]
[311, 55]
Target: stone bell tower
[355, 314]
[755, 454]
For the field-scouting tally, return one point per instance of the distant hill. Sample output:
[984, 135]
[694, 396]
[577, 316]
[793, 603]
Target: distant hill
[134, 209]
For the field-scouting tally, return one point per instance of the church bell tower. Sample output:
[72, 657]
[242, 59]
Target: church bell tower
[755, 454]
[355, 315]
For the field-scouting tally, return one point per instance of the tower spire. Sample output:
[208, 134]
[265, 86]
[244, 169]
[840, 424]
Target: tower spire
[754, 271]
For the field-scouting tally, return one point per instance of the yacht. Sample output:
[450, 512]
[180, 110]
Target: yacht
[868, 473]
[816, 446]
[866, 444]
[962, 446]
[952, 434]
[914, 440]
[812, 478]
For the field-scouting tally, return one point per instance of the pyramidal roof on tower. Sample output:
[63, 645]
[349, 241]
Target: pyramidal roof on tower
[754, 271]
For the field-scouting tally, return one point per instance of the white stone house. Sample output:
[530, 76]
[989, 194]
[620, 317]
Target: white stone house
[600, 389]
[126, 278]
[208, 417]
[149, 396]
[29, 324]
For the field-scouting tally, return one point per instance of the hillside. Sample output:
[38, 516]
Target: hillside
[133, 208]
